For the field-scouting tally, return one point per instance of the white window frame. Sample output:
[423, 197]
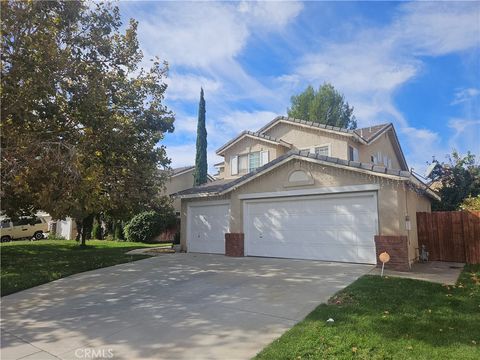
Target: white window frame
[242, 171]
[356, 155]
[234, 165]
[312, 150]
[264, 157]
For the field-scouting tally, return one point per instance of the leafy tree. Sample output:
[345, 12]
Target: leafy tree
[80, 121]
[471, 203]
[457, 180]
[200, 174]
[325, 106]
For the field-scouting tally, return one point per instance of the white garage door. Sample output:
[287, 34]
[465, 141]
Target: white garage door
[206, 227]
[325, 227]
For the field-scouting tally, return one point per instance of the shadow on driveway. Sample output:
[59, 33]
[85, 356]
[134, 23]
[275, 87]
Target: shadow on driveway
[175, 306]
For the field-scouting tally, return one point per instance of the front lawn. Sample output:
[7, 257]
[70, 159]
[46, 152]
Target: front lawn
[390, 318]
[25, 264]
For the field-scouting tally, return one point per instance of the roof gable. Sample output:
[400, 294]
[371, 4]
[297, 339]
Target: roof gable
[310, 124]
[365, 135]
[253, 135]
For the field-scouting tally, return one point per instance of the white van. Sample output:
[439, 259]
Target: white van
[24, 227]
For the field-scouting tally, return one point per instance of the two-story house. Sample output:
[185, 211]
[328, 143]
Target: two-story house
[297, 189]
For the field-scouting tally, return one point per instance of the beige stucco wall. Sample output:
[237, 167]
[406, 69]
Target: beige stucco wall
[248, 145]
[382, 144]
[411, 203]
[324, 176]
[394, 200]
[178, 183]
[305, 138]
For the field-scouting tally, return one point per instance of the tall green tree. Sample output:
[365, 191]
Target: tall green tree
[457, 180]
[325, 106]
[201, 166]
[80, 121]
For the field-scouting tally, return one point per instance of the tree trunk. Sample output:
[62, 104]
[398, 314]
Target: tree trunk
[87, 228]
[79, 224]
[84, 229]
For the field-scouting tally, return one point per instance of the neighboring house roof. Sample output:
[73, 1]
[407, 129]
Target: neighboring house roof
[220, 187]
[182, 170]
[254, 135]
[363, 135]
[185, 169]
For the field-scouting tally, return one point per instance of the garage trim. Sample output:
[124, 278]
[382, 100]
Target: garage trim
[199, 204]
[317, 191]
[246, 224]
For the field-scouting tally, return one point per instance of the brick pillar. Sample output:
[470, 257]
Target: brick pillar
[397, 248]
[234, 244]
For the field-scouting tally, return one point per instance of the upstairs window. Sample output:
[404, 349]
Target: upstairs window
[319, 150]
[244, 163]
[253, 160]
[322, 150]
[352, 153]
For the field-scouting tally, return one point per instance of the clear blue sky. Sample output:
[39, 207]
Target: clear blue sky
[416, 65]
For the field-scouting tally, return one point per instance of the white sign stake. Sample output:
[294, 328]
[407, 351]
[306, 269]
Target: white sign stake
[384, 257]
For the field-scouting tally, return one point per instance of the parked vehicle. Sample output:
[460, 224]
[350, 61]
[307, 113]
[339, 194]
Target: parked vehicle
[24, 227]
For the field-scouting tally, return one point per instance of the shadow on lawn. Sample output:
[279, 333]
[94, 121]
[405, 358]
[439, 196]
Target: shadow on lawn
[397, 309]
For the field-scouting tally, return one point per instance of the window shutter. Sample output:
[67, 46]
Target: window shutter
[234, 165]
[355, 154]
[389, 165]
[264, 157]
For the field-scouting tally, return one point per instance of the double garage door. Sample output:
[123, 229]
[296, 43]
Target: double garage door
[323, 227]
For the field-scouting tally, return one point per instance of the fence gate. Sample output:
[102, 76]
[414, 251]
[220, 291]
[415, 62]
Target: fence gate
[450, 235]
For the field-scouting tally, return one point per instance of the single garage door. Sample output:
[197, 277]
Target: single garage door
[207, 224]
[324, 227]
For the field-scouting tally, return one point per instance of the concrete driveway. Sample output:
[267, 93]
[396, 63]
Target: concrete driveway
[176, 306]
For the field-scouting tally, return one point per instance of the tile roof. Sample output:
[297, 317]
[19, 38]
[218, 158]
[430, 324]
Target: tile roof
[181, 169]
[255, 134]
[369, 133]
[219, 186]
[305, 122]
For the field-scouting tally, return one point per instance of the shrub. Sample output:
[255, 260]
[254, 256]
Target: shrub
[471, 203]
[52, 236]
[145, 226]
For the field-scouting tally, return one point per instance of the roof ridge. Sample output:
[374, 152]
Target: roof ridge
[314, 124]
[374, 169]
[251, 133]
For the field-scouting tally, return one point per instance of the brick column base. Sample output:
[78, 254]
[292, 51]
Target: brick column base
[397, 248]
[234, 244]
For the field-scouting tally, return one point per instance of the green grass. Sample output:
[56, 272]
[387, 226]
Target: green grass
[390, 318]
[25, 264]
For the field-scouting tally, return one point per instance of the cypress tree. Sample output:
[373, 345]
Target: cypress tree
[200, 175]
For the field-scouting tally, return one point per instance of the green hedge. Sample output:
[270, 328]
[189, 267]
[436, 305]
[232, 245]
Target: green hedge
[145, 226]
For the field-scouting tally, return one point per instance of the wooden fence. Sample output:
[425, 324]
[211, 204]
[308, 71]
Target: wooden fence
[450, 235]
